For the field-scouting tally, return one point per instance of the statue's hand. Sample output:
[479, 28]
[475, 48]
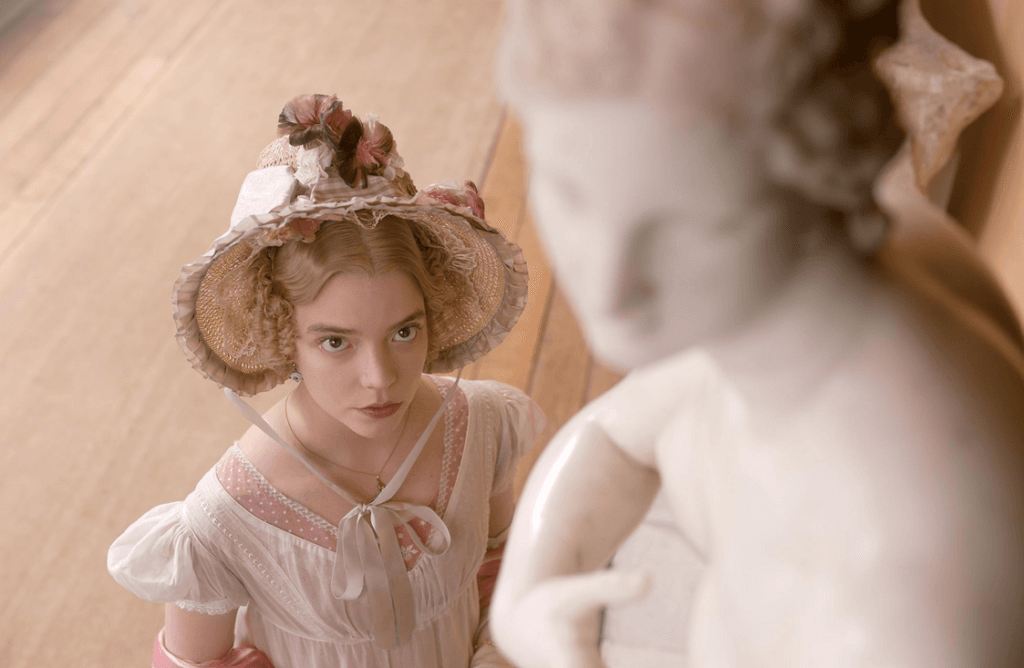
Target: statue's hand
[556, 624]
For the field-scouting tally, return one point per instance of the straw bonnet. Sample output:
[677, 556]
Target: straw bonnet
[328, 165]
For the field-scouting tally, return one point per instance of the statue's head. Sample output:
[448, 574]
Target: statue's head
[685, 153]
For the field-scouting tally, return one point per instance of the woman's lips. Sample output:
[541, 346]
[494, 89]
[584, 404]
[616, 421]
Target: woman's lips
[381, 411]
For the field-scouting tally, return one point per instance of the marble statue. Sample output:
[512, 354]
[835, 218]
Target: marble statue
[741, 201]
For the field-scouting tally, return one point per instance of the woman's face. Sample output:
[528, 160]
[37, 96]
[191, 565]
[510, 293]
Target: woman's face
[360, 347]
[658, 232]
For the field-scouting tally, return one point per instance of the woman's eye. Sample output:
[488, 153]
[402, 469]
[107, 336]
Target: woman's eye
[333, 344]
[406, 334]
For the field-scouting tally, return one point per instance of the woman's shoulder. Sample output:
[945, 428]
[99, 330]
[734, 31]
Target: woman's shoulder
[175, 553]
[257, 463]
[494, 405]
[481, 390]
[257, 446]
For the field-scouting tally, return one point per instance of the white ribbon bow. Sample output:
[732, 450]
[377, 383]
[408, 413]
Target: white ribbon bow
[368, 552]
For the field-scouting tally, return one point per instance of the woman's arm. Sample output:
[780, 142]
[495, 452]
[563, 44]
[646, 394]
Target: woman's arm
[502, 506]
[197, 637]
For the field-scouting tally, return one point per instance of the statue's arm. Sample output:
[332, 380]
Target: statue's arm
[589, 490]
[584, 496]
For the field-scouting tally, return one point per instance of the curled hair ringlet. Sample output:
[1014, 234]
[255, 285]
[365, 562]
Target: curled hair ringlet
[274, 317]
[295, 273]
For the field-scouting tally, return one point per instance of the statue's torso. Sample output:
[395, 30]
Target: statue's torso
[880, 525]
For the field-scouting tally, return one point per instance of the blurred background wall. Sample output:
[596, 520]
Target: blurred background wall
[988, 195]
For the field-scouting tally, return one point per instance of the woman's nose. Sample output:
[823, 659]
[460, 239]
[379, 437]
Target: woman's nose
[378, 367]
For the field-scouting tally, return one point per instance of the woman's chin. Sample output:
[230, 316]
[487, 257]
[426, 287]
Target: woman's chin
[371, 426]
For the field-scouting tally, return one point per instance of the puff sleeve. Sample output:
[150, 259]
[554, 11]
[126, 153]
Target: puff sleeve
[159, 558]
[522, 422]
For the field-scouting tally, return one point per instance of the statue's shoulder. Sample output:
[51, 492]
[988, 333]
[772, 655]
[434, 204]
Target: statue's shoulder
[928, 407]
[636, 412]
[936, 362]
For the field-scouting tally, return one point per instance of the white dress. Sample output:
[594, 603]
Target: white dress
[236, 542]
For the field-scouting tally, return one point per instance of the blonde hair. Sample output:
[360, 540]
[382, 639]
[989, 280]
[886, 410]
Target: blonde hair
[294, 274]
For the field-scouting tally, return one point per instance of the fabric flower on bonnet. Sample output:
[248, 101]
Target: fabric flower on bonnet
[373, 153]
[465, 196]
[312, 163]
[300, 228]
[309, 118]
[374, 146]
[330, 136]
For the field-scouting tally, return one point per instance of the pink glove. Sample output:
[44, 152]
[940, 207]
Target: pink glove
[238, 657]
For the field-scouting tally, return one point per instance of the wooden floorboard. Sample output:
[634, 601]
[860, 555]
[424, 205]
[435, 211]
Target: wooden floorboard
[558, 380]
[988, 194]
[30, 48]
[23, 28]
[602, 378]
[129, 51]
[55, 94]
[505, 181]
[135, 56]
[512, 361]
[33, 38]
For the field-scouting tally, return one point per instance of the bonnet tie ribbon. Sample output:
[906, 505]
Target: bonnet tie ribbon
[368, 554]
[370, 558]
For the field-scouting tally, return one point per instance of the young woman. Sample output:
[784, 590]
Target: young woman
[360, 521]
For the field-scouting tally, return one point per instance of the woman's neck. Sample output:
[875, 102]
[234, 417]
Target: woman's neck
[329, 439]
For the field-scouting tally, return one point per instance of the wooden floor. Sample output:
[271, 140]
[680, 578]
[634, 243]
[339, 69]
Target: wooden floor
[126, 127]
[545, 355]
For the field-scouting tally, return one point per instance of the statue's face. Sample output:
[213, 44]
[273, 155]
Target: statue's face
[658, 232]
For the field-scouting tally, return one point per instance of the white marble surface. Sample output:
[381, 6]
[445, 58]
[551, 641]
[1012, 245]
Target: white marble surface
[654, 631]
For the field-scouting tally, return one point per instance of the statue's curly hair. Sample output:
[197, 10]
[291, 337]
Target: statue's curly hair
[833, 127]
[823, 124]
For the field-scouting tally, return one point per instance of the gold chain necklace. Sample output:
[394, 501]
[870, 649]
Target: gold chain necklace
[380, 483]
